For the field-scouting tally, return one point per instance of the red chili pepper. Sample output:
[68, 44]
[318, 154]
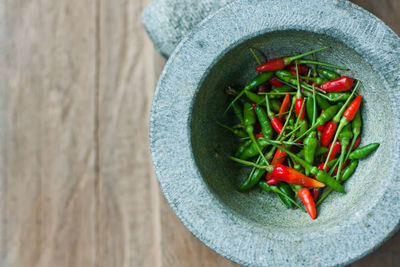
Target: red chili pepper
[328, 133]
[322, 167]
[280, 63]
[335, 150]
[321, 127]
[273, 181]
[275, 82]
[315, 193]
[343, 166]
[285, 106]
[356, 143]
[301, 68]
[278, 158]
[308, 201]
[277, 125]
[297, 105]
[262, 88]
[292, 176]
[352, 108]
[341, 84]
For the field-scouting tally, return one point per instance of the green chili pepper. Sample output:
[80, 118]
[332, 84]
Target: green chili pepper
[335, 97]
[364, 151]
[238, 112]
[344, 138]
[349, 170]
[317, 80]
[282, 89]
[260, 100]
[328, 74]
[311, 144]
[310, 108]
[258, 80]
[285, 188]
[242, 148]
[266, 127]
[252, 149]
[322, 103]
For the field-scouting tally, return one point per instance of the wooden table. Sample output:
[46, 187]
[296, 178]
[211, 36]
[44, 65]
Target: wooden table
[77, 184]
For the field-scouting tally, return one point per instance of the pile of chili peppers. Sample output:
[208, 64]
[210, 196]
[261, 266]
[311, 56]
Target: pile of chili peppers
[299, 125]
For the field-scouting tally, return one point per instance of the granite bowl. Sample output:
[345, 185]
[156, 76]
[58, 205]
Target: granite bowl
[254, 228]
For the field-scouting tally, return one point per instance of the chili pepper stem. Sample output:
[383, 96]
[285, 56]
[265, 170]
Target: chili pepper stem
[256, 144]
[353, 141]
[312, 62]
[269, 168]
[304, 54]
[323, 197]
[255, 56]
[340, 127]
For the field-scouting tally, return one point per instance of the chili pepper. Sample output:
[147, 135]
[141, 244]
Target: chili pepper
[313, 62]
[282, 89]
[275, 82]
[330, 129]
[316, 80]
[348, 115]
[258, 80]
[285, 188]
[364, 151]
[328, 74]
[285, 106]
[279, 158]
[292, 176]
[242, 148]
[272, 181]
[266, 127]
[302, 69]
[344, 165]
[237, 132]
[335, 150]
[341, 84]
[323, 167]
[338, 96]
[321, 127]
[310, 108]
[252, 149]
[309, 149]
[305, 195]
[272, 188]
[255, 98]
[275, 122]
[299, 106]
[322, 119]
[280, 63]
[344, 138]
[315, 193]
[322, 103]
[249, 121]
[349, 170]
[238, 112]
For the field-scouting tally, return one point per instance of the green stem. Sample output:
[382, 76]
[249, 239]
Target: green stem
[255, 56]
[322, 64]
[307, 53]
[251, 164]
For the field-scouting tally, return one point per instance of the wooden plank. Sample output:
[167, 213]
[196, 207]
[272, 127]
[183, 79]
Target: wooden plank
[129, 220]
[47, 131]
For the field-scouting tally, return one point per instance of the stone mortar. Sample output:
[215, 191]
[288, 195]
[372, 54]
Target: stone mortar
[254, 229]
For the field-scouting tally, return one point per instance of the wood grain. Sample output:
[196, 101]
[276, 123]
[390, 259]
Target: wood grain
[77, 186]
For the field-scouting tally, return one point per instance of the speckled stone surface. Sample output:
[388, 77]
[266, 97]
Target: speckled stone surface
[167, 22]
[253, 228]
